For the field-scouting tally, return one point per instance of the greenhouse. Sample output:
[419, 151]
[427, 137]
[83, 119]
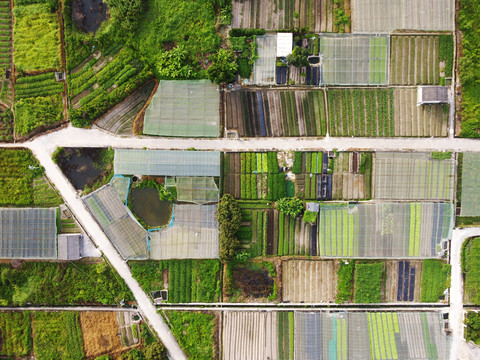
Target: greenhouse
[193, 234]
[198, 190]
[265, 65]
[412, 176]
[470, 185]
[344, 335]
[387, 15]
[121, 185]
[352, 59]
[167, 162]
[118, 223]
[184, 108]
[384, 230]
[28, 233]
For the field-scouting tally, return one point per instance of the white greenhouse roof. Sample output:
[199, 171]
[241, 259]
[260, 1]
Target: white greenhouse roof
[167, 163]
[284, 44]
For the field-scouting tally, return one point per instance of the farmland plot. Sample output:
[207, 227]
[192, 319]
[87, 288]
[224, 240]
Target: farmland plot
[249, 335]
[100, 333]
[290, 236]
[413, 120]
[5, 36]
[361, 112]
[262, 113]
[471, 184]
[387, 16]
[316, 15]
[414, 60]
[413, 176]
[384, 230]
[253, 232]
[403, 281]
[119, 120]
[309, 281]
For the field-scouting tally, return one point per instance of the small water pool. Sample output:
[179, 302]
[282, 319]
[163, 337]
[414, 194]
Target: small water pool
[146, 204]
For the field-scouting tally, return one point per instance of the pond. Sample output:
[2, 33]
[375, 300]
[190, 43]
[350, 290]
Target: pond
[146, 204]
[82, 166]
[89, 14]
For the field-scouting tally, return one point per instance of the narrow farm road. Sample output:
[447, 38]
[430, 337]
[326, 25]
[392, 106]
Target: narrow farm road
[460, 349]
[75, 137]
[98, 236]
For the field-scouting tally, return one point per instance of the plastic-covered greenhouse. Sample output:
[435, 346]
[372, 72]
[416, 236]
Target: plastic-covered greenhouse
[167, 162]
[199, 190]
[121, 185]
[413, 176]
[384, 230]
[388, 15]
[264, 67]
[28, 233]
[184, 108]
[334, 335]
[192, 235]
[471, 185]
[125, 233]
[353, 59]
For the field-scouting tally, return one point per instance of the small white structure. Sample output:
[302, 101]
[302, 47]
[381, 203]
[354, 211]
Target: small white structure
[432, 95]
[284, 44]
[75, 247]
[313, 207]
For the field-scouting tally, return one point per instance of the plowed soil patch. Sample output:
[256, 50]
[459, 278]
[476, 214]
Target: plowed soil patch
[100, 333]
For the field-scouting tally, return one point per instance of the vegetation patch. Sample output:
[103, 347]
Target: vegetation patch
[16, 332]
[468, 65]
[36, 37]
[195, 331]
[73, 283]
[253, 280]
[368, 283]
[35, 113]
[472, 332]
[435, 279]
[188, 280]
[345, 281]
[471, 268]
[6, 124]
[57, 335]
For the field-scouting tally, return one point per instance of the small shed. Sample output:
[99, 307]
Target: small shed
[313, 206]
[284, 44]
[432, 95]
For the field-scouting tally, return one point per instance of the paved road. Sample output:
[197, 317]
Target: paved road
[76, 137]
[460, 350]
[98, 236]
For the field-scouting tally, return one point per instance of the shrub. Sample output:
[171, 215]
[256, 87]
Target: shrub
[298, 57]
[236, 32]
[310, 216]
[290, 206]
[472, 322]
[244, 68]
[345, 281]
[229, 219]
[223, 68]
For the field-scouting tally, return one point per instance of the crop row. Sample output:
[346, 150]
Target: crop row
[286, 239]
[256, 163]
[415, 222]
[313, 162]
[361, 112]
[39, 85]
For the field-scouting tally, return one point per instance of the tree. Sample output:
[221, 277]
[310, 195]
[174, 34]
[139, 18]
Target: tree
[175, 64]
[298, 57]
[154, 351]
[290, 206]
[223, 68]
[134, 354]
[126, 13]
[229, 219]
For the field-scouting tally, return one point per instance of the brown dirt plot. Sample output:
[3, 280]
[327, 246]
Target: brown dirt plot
[100, 333]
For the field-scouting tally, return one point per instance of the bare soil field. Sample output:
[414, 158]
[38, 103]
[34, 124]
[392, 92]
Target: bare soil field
[394, 272]
[316, 15]
[414, 60]
[100, 333]
[413, 120]
[309, 281]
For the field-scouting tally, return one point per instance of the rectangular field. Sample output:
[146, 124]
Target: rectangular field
[471, 185]
[354, 59]
[316, 15]
[383, 230]
[361, 112]
[309, 281]
[415, 60]
[413, 120]
[255, 113]
[386, 15]
[413, 176]
[403, 281]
